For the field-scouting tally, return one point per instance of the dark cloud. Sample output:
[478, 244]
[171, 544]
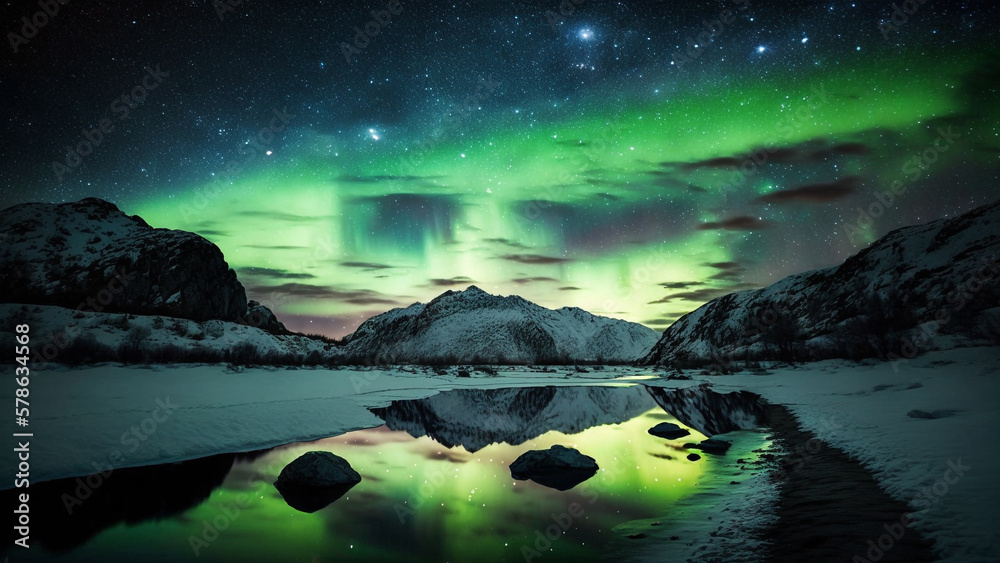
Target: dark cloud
[307, 291]
[740, 223]
[671, 181]
[728, 271]
[446, 282]
[374, 179]
[279, 216]
[570, 288]
[521, 281]
[852, 149]
[366, 265]
[808, 152]
[603, 196]
[212, 233]
[536, 259]
[609, 183]
[370, 301]
[720, 162]
[274, 273]
[723, 265]
[275, 247]
[814, 193]
[680, 285]
[505, 242]
[703, 295]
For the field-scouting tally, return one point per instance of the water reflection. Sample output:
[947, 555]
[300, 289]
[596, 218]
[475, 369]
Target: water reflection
[66, 513]
[474, 419]
[435, 486]
[710, 412]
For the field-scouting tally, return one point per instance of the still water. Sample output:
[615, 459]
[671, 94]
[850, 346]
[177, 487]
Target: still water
[435, 487]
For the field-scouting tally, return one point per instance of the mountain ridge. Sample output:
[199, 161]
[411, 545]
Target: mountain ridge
[473, 326]
[917, 288]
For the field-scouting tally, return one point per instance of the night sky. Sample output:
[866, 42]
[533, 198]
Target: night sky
[635, 159]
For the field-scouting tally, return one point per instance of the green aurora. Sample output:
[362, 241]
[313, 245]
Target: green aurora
[606, 203]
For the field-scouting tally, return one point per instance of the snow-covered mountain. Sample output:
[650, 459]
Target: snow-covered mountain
[918, 288]
[473, 326]
[476, 418]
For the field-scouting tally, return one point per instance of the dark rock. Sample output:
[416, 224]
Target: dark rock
[314, 480]
[441, 372]
[669, 431]
[261, 317]
[693, 457]
[464, 373]
[942, 413]
[713, 446]
[558, 467]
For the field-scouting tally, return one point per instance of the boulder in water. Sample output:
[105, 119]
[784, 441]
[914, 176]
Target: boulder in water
[668, 430]
[314, 480]
[558, 467]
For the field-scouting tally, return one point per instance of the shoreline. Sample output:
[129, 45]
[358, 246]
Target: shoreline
[831, 509]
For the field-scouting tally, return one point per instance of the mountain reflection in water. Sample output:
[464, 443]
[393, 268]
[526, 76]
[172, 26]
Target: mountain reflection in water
[435, 484]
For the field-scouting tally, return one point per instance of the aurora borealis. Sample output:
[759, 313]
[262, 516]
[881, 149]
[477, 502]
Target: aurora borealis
[607, 157]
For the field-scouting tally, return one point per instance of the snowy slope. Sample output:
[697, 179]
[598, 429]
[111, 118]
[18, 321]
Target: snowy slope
[65, 336]
[919, 288]
[474, 326]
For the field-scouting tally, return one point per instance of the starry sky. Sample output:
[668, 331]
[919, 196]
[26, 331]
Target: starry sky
[634, 159]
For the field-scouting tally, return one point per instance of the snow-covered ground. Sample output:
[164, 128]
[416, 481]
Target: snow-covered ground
[863, 410]
[82, 417]
[53, 328]
[87, 419]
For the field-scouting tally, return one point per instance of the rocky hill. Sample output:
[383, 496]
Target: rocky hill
[918, 288]
[90, 256]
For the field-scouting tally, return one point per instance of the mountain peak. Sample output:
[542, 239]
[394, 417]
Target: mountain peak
[478, 327]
